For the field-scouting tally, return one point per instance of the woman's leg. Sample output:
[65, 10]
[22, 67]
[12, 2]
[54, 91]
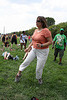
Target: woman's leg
[26, 62]
[41, 60]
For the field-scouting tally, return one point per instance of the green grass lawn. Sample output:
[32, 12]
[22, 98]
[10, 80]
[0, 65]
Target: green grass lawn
[54, 85]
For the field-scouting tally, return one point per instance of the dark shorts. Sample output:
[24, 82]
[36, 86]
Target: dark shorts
[14, 41]
[3, 40]
[60, 51]
[26, 41]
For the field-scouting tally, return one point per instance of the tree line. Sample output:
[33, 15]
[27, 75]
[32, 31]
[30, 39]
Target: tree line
[50, 21]
[55, 29]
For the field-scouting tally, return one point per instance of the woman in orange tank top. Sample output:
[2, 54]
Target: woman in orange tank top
[41, 39]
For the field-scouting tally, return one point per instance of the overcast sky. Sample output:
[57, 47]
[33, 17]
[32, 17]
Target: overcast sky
[19, 15]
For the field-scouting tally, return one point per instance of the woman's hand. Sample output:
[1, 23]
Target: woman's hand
[39, 45]
[29, 47]
[26, 50]
[49, 41]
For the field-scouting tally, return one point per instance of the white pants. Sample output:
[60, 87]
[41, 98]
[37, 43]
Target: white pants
[41, 55]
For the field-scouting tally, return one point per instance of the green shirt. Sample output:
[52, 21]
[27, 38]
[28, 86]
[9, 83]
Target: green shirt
[59, 41]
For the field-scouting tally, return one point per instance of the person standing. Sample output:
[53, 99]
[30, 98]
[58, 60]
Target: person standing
[13, 39]
[22, 40]
[6, 38]
[60, 45]
[3, 39]
[41, 39]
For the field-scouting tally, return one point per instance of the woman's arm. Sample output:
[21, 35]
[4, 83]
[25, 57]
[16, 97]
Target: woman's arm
[28, 47]
[49, 42]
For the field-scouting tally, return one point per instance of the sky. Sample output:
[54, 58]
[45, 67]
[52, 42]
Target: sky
[20, 15]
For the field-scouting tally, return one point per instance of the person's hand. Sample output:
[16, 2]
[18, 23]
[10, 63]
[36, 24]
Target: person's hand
[25, 55]
[38, 44]
[26, 50]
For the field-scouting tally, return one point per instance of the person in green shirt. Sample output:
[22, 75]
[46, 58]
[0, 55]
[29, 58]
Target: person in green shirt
[60, 45]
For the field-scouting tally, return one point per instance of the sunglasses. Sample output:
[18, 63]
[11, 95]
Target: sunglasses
[38, 21]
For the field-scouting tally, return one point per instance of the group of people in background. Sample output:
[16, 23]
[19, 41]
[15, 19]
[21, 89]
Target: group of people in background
[39, 47]
[7, 43]
[13, 39]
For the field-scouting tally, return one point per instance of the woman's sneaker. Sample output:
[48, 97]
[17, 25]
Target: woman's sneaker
[17, 78]
[40, 81]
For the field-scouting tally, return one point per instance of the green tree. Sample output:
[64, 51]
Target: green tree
[55, 29]
[50, 21]
[30, 31]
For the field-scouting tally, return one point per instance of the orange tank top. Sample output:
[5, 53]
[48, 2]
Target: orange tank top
[40, 37]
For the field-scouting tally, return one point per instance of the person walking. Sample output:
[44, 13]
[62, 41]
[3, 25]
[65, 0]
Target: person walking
[41, 39]
[60, 45]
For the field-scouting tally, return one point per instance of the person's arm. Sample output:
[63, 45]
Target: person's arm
[28, 47]
[16, 36]
[65, 43]
[49, 42]
[22, 38]
[64, 46]
[49, 39]
[25, 55]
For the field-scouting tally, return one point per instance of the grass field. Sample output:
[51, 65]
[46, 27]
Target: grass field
[54, 85]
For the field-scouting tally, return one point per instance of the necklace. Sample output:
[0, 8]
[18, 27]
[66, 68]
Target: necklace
[40, 30]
